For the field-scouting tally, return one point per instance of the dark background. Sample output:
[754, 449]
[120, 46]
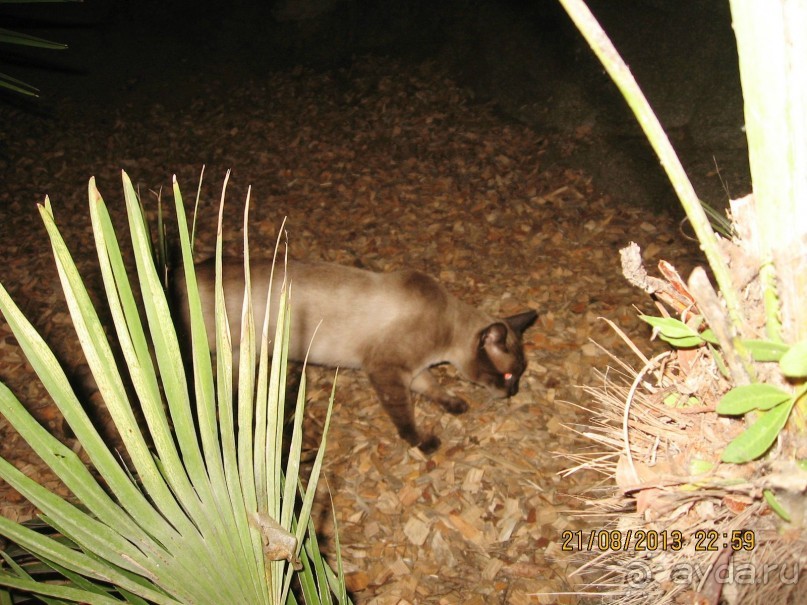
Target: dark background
[525, 56]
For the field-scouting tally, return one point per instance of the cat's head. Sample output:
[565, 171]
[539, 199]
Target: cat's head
[498, 360]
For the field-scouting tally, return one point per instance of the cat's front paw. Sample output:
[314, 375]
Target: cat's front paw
[429, 444]
[454, 405]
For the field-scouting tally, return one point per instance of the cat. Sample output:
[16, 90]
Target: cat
[393, 326]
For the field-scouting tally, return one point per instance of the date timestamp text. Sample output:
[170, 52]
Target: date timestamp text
[708, 540]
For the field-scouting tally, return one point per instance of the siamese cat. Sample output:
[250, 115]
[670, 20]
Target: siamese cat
[394, 326]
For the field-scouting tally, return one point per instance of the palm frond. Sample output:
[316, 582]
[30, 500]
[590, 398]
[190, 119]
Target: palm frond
[188, 522]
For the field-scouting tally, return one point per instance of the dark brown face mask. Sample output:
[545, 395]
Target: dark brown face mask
[501, 354]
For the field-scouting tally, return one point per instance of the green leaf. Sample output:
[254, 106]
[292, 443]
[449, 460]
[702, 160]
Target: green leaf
[756, 440]
[700, 467]
[765, 350]
[669, 326]
[770, 498]
[12, 37]
[181, 533]
[709, 336]
[674, 331]
[16, 85]
[679, 400]
[37, 1]
[743, 399]
[794, 363]
[687, 342]
[63, 592]
[719, 361]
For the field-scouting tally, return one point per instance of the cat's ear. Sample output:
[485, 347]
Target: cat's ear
[522, 321]
[506, 358]
[493, 335]
[493, 340]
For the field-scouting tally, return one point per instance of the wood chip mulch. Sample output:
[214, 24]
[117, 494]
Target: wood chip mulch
[387, 166]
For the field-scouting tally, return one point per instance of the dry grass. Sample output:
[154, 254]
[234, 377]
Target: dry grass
[656, 441]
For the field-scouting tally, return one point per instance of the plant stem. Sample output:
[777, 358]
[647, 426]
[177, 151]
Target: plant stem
[772, 53]
[734, 352]
[620, 74]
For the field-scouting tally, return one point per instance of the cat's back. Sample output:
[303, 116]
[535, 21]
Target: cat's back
[358, 310]
[353, 297]
[353, 311]
[326, 279]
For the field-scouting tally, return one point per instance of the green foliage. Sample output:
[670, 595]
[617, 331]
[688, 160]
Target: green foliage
[758, 438]
[765, 350]
[718, 220]
[682, 336]
[743, 399]
[794, 361]
[10, 37]
[679, 400]
[770, 499]
[675, 331]
[775, 402]
[211, 513]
